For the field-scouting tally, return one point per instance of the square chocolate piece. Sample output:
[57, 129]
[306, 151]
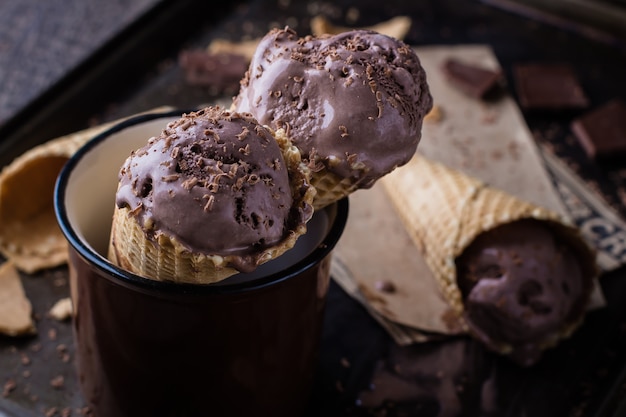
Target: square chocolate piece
[548, 86]
[471, 79]
[602, 132]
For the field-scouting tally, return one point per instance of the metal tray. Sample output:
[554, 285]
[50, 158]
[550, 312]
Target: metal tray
[360, 372]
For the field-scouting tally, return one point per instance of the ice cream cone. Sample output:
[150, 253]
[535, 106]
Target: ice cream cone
[355, 118]
[163, 257]
[445, 210]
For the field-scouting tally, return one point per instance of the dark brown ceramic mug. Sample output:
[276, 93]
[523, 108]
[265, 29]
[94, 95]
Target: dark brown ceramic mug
[246, 346]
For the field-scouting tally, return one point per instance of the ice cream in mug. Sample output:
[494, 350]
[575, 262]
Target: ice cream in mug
[214, 194]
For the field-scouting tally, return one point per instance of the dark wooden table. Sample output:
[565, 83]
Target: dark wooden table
[361, 371]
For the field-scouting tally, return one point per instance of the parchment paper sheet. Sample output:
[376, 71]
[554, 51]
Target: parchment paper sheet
[488, 140]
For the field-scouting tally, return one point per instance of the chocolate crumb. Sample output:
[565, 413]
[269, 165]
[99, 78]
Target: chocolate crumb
[385, 286]
[345, 362]
[51, 412]
[59, 282]
[57, 382]
[339, 386]
[489, 117]
[63, 353]
[9, 387]
[170, 178]
[85, 411]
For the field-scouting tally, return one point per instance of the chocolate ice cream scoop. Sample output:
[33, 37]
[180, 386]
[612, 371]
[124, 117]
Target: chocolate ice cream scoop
[353, 103]
[217, 183]
[521, 283]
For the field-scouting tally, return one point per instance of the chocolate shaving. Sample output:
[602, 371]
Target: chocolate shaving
[218, 71]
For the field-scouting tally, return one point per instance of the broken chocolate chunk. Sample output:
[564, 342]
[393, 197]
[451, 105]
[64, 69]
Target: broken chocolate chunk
[602, 131]
[221, 71]
[385, 286]
[472, 79]
[548, 86]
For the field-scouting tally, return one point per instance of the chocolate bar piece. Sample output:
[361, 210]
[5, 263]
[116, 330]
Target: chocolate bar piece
[602, 132]
[221, 71]
[548, 86]
[473, 80]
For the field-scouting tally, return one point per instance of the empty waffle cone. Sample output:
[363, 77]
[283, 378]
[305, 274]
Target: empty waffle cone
[166, 259]
[29, 235]
[444, 210]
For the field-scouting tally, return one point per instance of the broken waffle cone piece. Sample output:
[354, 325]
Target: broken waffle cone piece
[29, 235]
[245, 48]
[396, 27]
[446, 211]
[15, 309]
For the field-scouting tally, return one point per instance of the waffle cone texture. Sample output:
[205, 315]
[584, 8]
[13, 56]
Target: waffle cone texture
[167, 259]
[330, 188]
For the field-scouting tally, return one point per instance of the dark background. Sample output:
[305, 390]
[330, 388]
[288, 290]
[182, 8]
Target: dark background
[67, 65]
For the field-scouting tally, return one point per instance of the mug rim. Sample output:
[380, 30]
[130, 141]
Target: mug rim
[112, 272]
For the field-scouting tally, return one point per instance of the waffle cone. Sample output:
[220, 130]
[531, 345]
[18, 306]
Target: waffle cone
[29, 235]
[162, 260]
[444, 210]
[330, 187]
[167, 259]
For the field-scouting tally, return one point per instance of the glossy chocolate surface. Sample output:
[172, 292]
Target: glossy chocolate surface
[353, 102]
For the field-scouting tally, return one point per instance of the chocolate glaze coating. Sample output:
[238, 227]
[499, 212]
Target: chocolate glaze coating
[521, 284]
[353, 102]
[215, 180]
